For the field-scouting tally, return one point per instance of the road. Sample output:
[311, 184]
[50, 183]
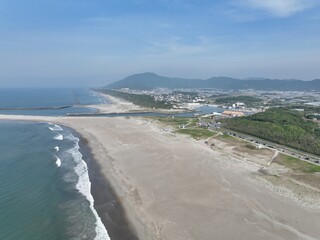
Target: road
[307, 157]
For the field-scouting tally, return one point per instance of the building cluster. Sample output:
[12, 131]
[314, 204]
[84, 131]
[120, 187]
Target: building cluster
[191, 99]
[233, 113]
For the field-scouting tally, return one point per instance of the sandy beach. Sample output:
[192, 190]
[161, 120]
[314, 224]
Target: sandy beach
[174, 187]
[116, 106]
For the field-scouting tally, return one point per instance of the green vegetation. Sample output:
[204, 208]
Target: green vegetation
[275, 103]
[197, 132]
[296, 164]
[177, 121]
[250, 146]
[310, 112]
[226, 136]
[281, 125]
[219, 95]
[307, 109]
[230, 139]
[138, 99]
[151, 81]
[248, 100]
[191, 129]
[313, 116]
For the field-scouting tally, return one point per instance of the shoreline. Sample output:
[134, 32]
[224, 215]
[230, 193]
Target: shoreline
[174, 187]
[117, 105]
[137, 225]
[106, 202]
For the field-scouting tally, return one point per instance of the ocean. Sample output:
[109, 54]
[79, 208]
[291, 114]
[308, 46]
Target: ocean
[45, 190]
[48, 101]
[45, 184]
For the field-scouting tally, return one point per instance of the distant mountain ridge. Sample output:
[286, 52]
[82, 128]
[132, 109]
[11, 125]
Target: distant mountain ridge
[152, 80]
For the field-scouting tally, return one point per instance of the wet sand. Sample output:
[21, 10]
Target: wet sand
[174, 187]
[106, 202]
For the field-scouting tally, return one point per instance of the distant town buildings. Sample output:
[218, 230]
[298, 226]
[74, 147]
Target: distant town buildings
[192, 99]
[238, 105]
[233, 113]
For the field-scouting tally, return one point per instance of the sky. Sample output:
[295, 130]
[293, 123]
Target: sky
[95, 42]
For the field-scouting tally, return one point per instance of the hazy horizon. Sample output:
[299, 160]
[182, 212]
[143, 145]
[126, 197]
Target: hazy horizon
[92, 43]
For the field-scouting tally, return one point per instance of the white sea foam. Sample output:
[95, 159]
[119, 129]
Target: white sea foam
[55, 127]
[58, 161]
[84, 187]
[56, 148]
[58, 137]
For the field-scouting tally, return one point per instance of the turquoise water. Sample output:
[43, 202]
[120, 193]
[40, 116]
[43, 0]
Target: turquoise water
[48, 101]
[44, 185]
[44, 182]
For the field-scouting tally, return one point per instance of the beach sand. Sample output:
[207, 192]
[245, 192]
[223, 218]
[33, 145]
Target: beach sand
[116, 105]
[174, 187]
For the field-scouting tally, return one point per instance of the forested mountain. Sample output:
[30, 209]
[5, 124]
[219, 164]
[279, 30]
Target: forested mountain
[152, 80]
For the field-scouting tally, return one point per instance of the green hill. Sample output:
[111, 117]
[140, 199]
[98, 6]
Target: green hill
[152, 80]
[280, 125]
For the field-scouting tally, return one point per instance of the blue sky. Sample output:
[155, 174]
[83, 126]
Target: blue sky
[93, 42]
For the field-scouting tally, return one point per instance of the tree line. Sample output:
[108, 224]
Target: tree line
[280, 125]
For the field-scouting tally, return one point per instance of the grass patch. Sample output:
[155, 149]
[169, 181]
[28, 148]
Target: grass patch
[192, 129]
[226, 136]
[248, 100]
[229, 138]
[176, 121]
[250, 146]
[296, 164]
[197, 133]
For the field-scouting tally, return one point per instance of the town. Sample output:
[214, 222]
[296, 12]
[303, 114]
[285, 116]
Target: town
[213, 107]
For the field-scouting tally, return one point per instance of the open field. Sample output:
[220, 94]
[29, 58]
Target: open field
[176, 121]
[296, 164]
[197, 133]
[186, 126]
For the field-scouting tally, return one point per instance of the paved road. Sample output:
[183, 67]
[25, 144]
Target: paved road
[307, 157]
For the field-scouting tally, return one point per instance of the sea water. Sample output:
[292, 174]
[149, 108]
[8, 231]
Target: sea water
[44, 185]
[48, 101]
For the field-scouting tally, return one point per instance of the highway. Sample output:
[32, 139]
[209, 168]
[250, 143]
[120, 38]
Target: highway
[307, 157]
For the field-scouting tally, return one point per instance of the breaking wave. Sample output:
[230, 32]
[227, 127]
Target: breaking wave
[83, 185]
[55, 127]
[58, 161]
[58, 137]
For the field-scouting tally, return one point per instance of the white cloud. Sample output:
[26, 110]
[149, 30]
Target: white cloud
[280, 8]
